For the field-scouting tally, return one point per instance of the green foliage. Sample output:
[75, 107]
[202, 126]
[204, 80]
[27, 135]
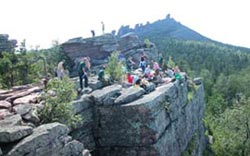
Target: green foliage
[232, 131]
[225, 70]
[58, 108]
[18, 69]
[27, 66]
[147, 43]
[114, 67]
[170, 62]
[190, 150]
[54, 55]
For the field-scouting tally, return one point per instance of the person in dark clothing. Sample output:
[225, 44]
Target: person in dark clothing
[142, 64]
[82, 73]
[103, 27]
[93, 33]
[101, 73]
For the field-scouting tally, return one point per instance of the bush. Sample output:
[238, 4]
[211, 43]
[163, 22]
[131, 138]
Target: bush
[170, 63]
[147, 43]
[114, 67]
[58, 97]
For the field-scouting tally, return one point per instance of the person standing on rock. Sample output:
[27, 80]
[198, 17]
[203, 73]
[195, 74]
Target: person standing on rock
[82, 73]
[88, 65]
[103, 27]
[142, 64]
[60, 70]
[93, 33]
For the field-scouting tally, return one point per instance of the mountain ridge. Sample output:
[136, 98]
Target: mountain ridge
[169, 28]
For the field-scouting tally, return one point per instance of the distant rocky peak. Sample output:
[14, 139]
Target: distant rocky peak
[164, 28]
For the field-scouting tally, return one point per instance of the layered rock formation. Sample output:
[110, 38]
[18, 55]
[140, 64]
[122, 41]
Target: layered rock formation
[99, 49]
[160, 123]
[155, 121]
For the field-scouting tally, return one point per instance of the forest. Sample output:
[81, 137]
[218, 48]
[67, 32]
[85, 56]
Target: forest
[225, 72]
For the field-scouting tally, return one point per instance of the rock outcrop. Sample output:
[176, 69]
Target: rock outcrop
[20, 137]
[157, 123]
[99, 49]
[6, 44]
[48, 139]
[22, 100]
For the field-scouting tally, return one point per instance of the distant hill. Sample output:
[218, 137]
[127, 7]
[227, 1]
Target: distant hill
[166, 28]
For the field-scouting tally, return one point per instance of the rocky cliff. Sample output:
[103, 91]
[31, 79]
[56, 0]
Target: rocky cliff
[130, 122]
[163, 120]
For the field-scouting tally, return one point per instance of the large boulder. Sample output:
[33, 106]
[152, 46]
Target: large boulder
[11, 120]
[97, 48]
[106, 95]
[81, 104]
[22, 109]
[14, 133]
[74, 148]
[129, 41]
[141, 122]
[32, 116]
[42, 139]
[130, 94]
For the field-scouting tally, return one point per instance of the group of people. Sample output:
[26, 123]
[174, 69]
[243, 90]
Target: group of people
[84, 68]
[159, 73]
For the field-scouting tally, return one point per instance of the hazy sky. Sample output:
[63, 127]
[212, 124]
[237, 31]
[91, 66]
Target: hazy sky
[41, 21]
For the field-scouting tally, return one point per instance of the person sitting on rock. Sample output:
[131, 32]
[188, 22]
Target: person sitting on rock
[137, 82]
[149, 73]
[170, 72]
[101, 73]
[156, 68]
[178, 76]
[129, 78]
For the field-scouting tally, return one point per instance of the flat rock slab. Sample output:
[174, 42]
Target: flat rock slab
[22, 109]
[22, 94]
[4, 104]
[14, 133]
[130, 94]
[105, 95]
[26, 99]
[11, 121]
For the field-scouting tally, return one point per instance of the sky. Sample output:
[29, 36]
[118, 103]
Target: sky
[42, 21]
